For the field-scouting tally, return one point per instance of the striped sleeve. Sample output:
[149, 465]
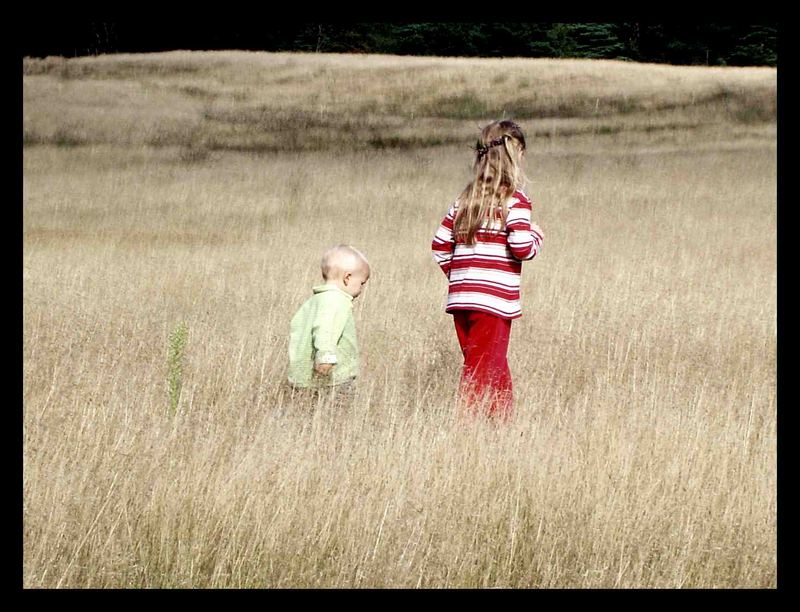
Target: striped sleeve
[443, 243]
[523, 241]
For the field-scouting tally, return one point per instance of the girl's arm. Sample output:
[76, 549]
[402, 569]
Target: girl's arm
[524, 238]
[443, 243]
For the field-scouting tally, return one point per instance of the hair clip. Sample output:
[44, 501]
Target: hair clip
[484, 149]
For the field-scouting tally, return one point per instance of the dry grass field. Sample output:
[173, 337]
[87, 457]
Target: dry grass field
[197, 191]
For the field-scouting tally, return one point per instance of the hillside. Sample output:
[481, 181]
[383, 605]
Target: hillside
[252, 101]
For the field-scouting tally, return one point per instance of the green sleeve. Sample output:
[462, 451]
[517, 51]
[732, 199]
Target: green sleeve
[327, 327]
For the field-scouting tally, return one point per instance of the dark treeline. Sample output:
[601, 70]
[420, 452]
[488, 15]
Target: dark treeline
[716, 44]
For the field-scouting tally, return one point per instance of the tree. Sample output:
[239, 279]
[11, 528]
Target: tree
[757, 44]
[687, 43]
[596, 40]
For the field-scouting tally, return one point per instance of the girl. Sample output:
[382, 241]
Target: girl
[480, 246]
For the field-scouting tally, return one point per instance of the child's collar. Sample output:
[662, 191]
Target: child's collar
[330, 287]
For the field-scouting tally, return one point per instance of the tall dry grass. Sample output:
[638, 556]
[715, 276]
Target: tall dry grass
[264, 102]
[643, 449]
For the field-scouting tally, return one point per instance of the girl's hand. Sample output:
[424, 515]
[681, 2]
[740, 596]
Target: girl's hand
[323, 369]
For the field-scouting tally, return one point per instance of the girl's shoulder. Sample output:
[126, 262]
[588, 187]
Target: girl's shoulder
[519, 199]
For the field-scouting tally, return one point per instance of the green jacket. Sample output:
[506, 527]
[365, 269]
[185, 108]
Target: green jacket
[323, 331]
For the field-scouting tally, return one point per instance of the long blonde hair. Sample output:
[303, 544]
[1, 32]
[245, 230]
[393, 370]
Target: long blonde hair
[498, 174]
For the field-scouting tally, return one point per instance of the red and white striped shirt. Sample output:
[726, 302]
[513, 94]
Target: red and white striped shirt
[485, 276]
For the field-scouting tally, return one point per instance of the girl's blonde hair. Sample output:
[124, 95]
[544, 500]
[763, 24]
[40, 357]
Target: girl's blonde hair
[498, 174]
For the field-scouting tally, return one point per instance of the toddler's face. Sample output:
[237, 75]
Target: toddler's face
[355, 280]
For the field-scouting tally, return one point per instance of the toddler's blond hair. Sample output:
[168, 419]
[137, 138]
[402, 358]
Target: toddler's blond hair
[340, 259]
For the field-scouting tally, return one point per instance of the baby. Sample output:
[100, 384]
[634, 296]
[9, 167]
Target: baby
[323, 350]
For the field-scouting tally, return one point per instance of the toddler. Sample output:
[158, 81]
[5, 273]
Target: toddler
[323, 350]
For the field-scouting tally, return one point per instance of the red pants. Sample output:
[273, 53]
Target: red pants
[484, 341]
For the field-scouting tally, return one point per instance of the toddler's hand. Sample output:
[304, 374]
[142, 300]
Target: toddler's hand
[324, 368]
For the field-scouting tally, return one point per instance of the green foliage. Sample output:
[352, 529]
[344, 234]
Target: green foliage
[561, 41]
[598, 40]
[712, 43]
[760, 46]
[675, 43]
[177, 345]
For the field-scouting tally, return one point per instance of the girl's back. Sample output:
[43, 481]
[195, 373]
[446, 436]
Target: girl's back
[480, 245]
[485, 275]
